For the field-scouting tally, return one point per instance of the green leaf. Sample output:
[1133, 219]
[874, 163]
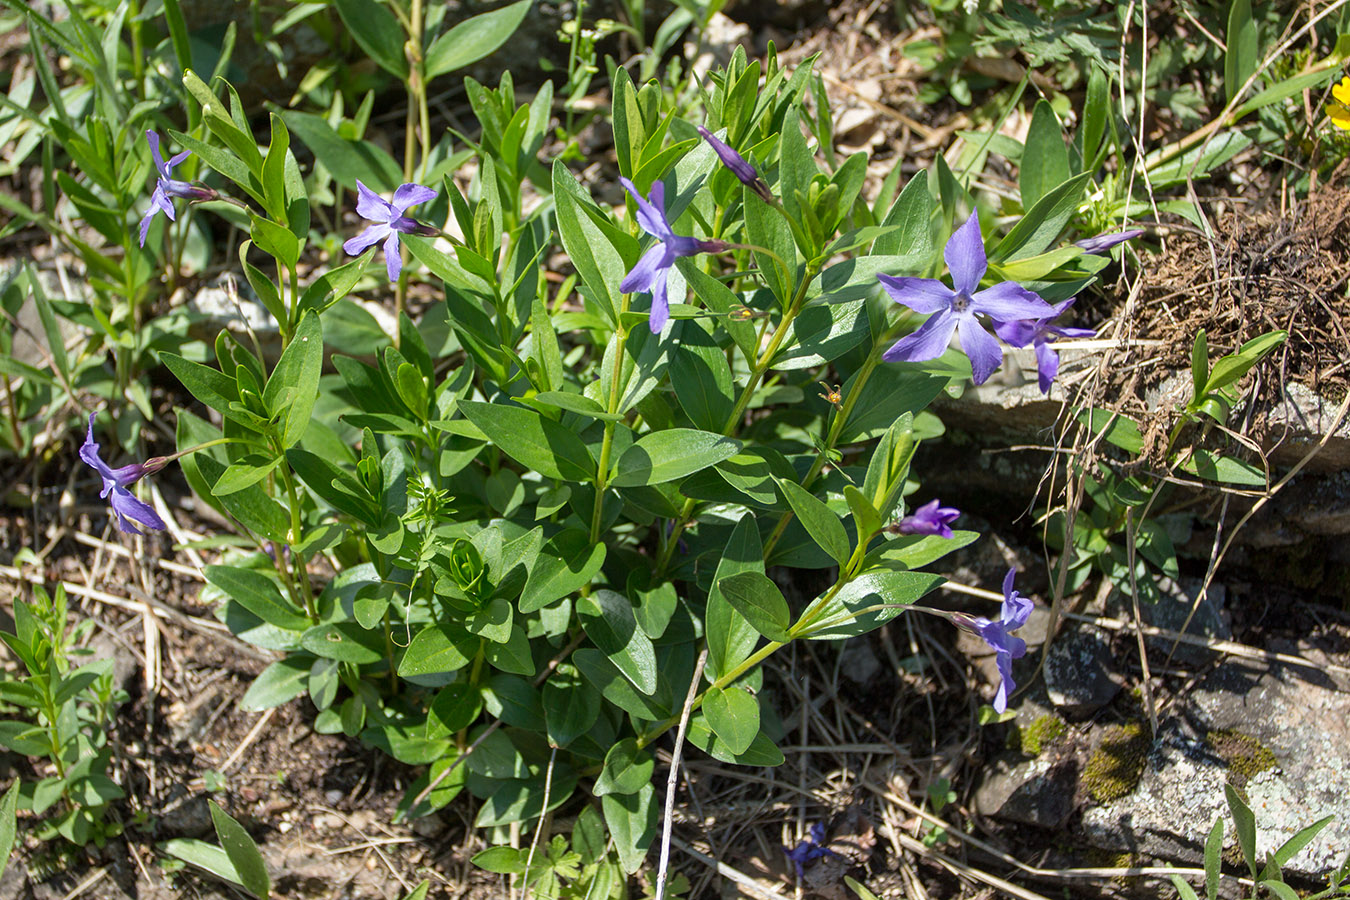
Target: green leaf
[259, 595]
[1119, 430]
[597, 261]
[1184, 890]
[913, 212]
[730, 637]
[438, 648]
[761, 752]
[1227, 469]
[632, 820]
[1279, 889]
[378, 33]
[1199, 365]
[701, 376]
[1043, 222]
[821, 334]
[1231, 368]
[251, 506]
[627, 768]
[273, 169]
[419, 892]
[608, 620]
[1213, 859]
[242, 852]
[8, 822]
[205, 856]
[531, 440]
[346, 160]
[344, 641]
[454, 708]
[867, 602]
[671, 454]
[1045, 163]
[501, 860]
[210, 386]
[567, 564]
[279, 683]
[733, 715]
[1244, 823]
[1290, 848]
[865, 515]
[766, 227]
[1243, 48]
[571, 705]
[247, 471]
[473, 39]
[822, 524]
[275, 240]
[758, 599]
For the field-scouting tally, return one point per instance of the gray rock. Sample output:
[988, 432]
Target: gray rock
[1078, 673]
[188, 817]
[1233, 725]
[1036, 791]
[1172, 611]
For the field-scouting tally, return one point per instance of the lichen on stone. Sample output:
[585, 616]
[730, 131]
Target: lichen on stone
[1040, 735]
[1118, 762]
[1244, 755]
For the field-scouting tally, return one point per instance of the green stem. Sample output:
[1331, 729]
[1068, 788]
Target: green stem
[607, 442]
[306, 592]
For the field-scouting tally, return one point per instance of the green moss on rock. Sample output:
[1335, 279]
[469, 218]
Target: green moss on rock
[1118, 762]
[1040, 735]
[1245, 755]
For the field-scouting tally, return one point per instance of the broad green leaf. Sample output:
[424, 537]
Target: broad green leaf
[822, 524]
[346, 642]
[1043, 222]
[378, 32]
[865, 515]
[346, 160]
[438, 648]
[765, 227]
[210, 386]
[1244, 823]
[597, 261]
[733, 715]
[867, 602]
[531, 440]
[761, 752]
[1213, 859]
[567, 564]
[1045, 164]
[821, 334]
[730, 637]
[701, 376]
[204, 856]
[242, 852]
[670, 454]
[259, 595]
[1119, 430]
[760, 602]
[280, 682]
[1227, 469]
[473, 39]
[454, 708]
[1290, 848]
[571, 705]
[632, 821]
[9, 822]
[275, 240]
[626, 769]
[1231, 368]
[608, 620]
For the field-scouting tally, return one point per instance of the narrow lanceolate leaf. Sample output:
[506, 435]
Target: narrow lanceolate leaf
[474, 38]
[758, 599]
[259, 595]
[242, 852]
[293, 386]
[670, 454]
[822, 524]
[8, 822]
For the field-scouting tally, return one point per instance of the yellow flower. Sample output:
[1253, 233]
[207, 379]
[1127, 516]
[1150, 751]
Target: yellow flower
[1339, 107]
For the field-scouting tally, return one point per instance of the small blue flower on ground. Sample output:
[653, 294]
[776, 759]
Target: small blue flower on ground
[125, 505]
[737, 164]
[929, 519]
[651, 271]
[390, 220]
[1039, 333]
[1107, 241]
[954, 309]
[166, 186]
[1016, 610]
[810, 849]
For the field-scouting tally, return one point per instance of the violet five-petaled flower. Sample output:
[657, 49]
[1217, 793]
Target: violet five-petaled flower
[1039, 333]
[652, 270]
[125, 505]
[166, 186]
[738, 165]
[1107, 241]
[929, 519]
[1016, 610]
[954, 309]
[391, 220]
[812, 848]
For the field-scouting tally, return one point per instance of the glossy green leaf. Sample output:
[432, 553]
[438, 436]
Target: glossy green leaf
[378, 32]
[293, 387]
[438, 648]
[281, 682]
[259, 595]
[1243, 50]
[1045, 164]
[571, 705]
[632, 821]
[242, 852]
[868, 602]
[344, 641]
[670, 454]
[474, 38]
[729, 636]
[568, 563]
[607, 617]
[822, 524]
[627, 768]
[531, 440]
[760, 602]
[733, 715]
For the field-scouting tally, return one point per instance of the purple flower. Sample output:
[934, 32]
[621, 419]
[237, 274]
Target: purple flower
[166, 186]
[810, 849]
[954, 308]
[390, 221]
[652, 269]
[929, 519]
[1016, 609]
[1039, 333]
[738, 165]
[126, 507]
[1107, 241]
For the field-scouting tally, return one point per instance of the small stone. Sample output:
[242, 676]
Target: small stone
[858, 663]
[333, 797]
[1078, 673]
[1036, 792]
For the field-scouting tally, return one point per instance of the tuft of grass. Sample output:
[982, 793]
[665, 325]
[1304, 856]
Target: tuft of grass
[1118, 762]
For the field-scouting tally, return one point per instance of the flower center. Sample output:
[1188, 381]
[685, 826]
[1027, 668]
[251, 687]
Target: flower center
[961, 303]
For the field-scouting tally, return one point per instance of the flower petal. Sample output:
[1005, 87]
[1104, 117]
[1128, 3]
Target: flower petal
[409, 195]
[393, 260]
[1009, 300]
[155, 155]
[89, 453]
[923, 295]
[175, 160]
[370, 205]
[644, 273]
[928, 342]
[160, 200]
[1047, 366]
[128, 507]
[1006, 684]
[660, 302]
[357, 245]
[651, 215]
[965, 256]
[1342, 91]
[1018, 333]
[145, 223]
[983, 350]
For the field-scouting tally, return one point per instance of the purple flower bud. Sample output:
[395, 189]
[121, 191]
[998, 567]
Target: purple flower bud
[737, 164]
[129, 510]
[1107, 241]
[929, 519]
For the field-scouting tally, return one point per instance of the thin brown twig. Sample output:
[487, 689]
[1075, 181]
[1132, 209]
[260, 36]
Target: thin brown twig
[674, 776]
